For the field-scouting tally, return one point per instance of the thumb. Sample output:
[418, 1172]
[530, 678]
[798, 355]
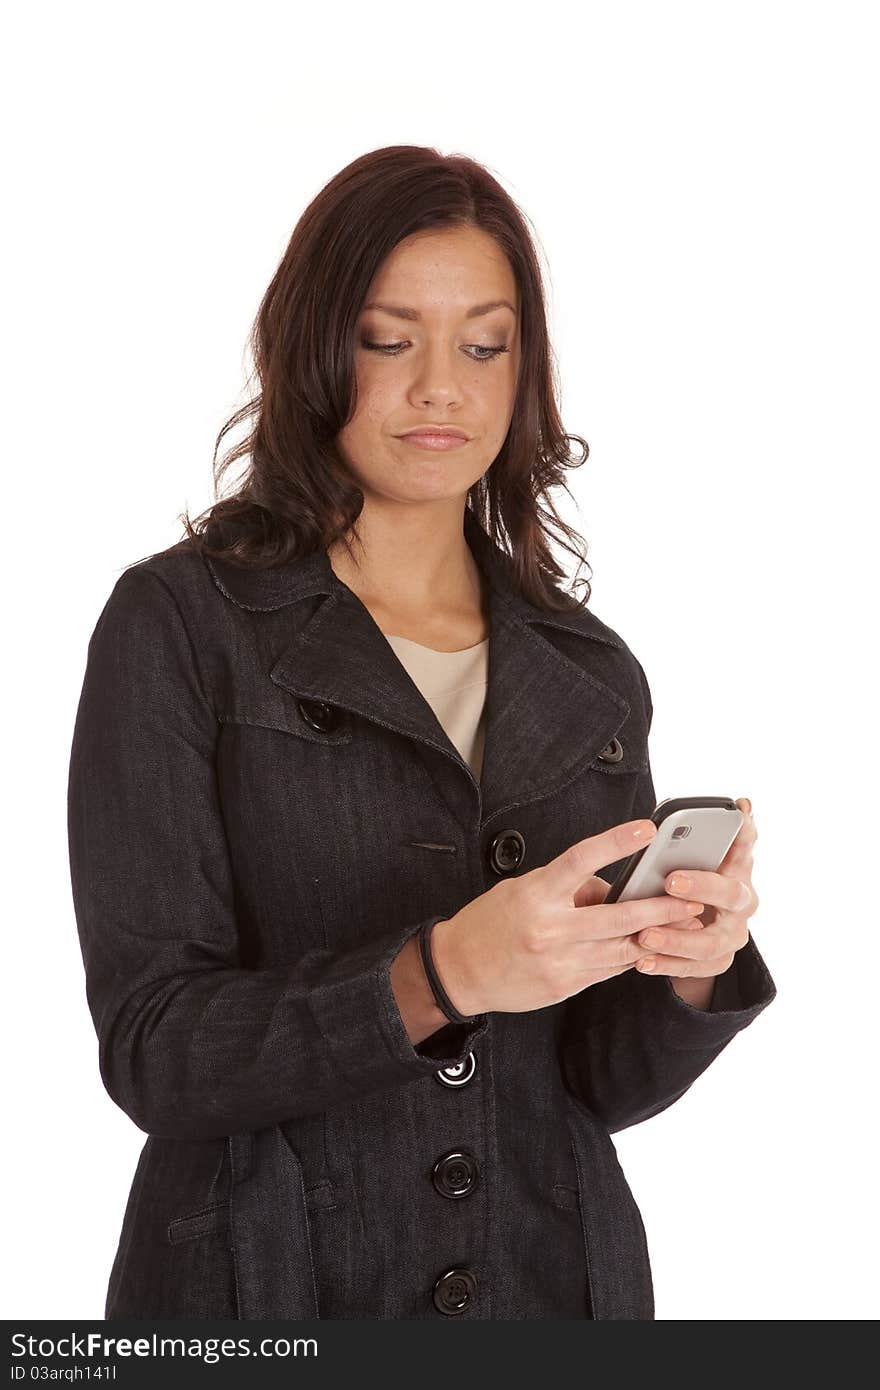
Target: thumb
[567, 872]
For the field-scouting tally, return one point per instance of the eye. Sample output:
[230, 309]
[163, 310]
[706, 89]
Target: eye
[395, 349]
[493, 352]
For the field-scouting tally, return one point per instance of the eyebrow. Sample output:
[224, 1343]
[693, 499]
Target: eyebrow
[476, 312]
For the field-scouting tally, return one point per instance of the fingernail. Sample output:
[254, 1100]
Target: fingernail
[650, 938]
[748, 806]
[647, 964]
[679, 883]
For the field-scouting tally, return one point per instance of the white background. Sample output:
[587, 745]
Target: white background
[703, 180]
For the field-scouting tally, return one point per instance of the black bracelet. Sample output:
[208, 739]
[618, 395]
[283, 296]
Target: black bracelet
[444, 1002]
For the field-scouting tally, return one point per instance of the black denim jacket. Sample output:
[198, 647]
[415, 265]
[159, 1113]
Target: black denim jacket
[262, 809]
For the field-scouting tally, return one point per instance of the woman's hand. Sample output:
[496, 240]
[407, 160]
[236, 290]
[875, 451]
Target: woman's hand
[692, 956]
[536, 939]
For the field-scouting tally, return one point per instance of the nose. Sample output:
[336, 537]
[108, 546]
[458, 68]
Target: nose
[436, 375]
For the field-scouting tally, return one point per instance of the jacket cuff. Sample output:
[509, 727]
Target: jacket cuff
[448, 1046]
[356, 1011]
[740, 994]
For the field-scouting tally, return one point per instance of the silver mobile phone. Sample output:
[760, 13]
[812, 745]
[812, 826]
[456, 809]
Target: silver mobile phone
[693, 832]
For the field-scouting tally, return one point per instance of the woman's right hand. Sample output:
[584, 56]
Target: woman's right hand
[536, 939]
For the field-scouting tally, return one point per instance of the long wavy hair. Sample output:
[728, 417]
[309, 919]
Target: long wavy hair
[297, 492]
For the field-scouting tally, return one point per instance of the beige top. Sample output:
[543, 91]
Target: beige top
[454, 685]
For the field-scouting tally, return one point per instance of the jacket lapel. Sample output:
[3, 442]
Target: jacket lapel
[546, 713]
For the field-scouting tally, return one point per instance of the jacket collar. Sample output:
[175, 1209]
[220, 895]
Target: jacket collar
[548, 714]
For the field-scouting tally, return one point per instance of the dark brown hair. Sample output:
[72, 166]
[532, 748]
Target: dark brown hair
[297, 493]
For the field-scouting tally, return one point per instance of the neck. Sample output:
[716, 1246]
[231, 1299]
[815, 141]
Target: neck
[416, 575]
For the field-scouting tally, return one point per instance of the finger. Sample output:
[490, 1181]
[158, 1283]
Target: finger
[655, 938]
[683, 967]
[567, 872]
[717, 890]
[747, 833]
[628, 918]
[741, 851]
[737, 862]
[595, 890]
[688, 945]
[738, 858]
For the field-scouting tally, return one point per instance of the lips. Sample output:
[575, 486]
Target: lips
[435, 439]
[435, 433]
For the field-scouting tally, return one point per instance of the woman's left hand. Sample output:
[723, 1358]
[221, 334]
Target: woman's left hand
[699, 952]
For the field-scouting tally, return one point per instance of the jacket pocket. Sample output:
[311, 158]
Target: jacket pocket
[199, 1223]
[270, 1235]
[615, 1242]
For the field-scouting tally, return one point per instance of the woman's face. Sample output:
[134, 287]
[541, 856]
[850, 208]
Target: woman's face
[440, 366]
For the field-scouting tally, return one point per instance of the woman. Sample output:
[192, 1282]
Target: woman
[349, 780]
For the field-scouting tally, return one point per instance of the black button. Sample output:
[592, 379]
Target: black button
[454, 1290]
[506, 851]
[459, 1074]
[320, 715]
[455, 1174]
[612, 752]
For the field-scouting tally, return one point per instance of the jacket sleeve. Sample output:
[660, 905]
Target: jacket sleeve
[630, 1045]
[191, 1044]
